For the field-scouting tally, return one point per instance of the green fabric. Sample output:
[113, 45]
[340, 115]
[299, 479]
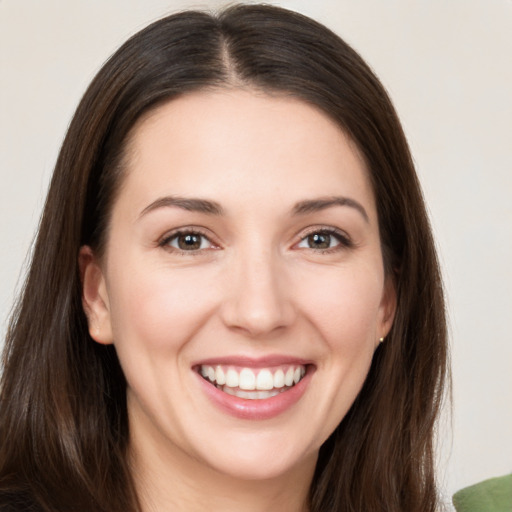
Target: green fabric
[494, 495]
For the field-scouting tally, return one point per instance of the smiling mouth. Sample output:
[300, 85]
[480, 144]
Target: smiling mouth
[253, 384]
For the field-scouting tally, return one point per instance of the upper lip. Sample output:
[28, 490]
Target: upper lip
[253, 362]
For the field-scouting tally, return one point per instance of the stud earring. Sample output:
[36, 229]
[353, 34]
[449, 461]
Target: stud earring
[381, 340]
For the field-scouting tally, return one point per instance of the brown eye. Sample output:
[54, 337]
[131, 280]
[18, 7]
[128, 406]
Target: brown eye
[319, 241]
[324, 240]
[188, 241]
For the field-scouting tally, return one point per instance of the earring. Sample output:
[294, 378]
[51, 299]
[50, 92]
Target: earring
[381, 340]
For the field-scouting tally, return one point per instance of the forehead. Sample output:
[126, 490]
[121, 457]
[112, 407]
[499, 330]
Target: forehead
[242, 144]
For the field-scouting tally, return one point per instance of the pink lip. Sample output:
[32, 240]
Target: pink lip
[253, 362]
[255, 409]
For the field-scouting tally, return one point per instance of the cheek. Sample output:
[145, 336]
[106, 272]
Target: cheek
[344, 310]
[155, 314]
[157, 308]
[344, 305]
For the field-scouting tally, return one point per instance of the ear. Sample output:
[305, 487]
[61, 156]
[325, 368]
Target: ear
[387, 309]
[94, 297]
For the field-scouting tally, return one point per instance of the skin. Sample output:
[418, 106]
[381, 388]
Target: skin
[255, 288]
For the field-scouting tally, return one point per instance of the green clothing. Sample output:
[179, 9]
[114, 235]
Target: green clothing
[494, 495]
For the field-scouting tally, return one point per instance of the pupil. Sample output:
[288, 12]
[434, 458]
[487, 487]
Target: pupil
[319, 241]
[189, 242]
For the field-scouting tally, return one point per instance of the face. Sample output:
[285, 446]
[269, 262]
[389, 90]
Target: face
[242, 284]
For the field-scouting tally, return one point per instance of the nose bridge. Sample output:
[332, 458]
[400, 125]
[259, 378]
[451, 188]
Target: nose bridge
[259, 300]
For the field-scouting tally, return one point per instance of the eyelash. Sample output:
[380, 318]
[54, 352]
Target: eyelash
[344, 242]
[166, 241]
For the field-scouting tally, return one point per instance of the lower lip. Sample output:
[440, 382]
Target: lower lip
[263, 409]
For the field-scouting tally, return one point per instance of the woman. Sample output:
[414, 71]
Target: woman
[234, 300]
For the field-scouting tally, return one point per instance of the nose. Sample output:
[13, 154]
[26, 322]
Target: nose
[258, 301]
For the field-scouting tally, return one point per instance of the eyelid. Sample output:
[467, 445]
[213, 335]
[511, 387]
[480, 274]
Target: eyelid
[186, 230]
[345, 241]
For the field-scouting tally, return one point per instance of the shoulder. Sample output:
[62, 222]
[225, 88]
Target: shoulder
[491, 495]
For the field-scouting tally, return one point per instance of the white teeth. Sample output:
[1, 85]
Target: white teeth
[247, 380]
[279, 379]
[220, 376]
[260, 384]
[251, 395]
[264, 381]
[228, 390]
[288, 379]
[232, 378]
[267, 394]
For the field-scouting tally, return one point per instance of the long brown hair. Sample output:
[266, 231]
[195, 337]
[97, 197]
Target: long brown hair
[63, 418]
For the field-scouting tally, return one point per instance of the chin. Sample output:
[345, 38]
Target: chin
[263, 455]
[264, 468]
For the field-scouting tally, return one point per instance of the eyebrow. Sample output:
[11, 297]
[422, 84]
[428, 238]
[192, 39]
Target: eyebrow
[189, 204]
[213, 208]
[316, 205]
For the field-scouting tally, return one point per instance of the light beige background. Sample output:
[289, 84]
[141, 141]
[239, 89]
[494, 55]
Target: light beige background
[448, 67]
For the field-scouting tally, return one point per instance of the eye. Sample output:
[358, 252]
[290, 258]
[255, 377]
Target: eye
[324, 240]
[187, 241]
